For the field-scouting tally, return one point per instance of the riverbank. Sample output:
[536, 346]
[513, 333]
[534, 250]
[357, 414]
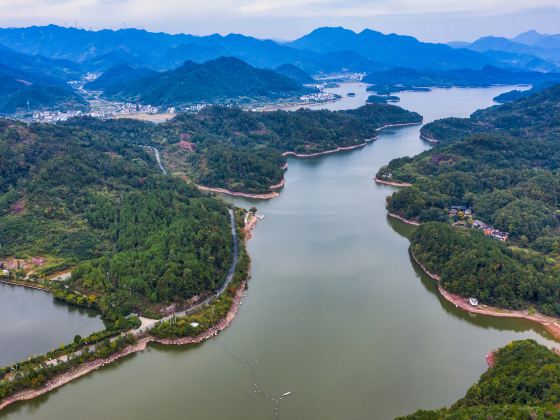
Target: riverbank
[141, 345]
[550, 324]
[266, 196]
[392, 183]
[429, 139]
[248, 229]
[25, 284]
[345, 148]
[402, 219]
[143, 340]
[328, 152]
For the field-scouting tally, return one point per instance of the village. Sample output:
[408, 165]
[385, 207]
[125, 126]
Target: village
[463, 215]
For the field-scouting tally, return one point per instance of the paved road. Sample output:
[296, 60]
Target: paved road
[149, 323]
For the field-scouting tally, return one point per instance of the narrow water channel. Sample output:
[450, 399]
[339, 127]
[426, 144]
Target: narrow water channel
[336, 313]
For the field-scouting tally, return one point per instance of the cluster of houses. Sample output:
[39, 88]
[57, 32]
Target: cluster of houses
[490, 231]
[318, 97]
[477, 224]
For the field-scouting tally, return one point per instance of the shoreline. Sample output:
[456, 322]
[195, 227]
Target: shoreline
[141, 344]
[392, 183]
[402, 219]
[264, 196]
[44, 289]
[344, 148]
[329, 152]
[549, 323]
[398, 125]
[429, 139]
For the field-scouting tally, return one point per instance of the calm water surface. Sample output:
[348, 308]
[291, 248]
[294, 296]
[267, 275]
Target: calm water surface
[335, 311]
[32, 322]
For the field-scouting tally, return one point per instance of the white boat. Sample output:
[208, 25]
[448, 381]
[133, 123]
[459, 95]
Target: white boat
[473, 301]
[285, 394]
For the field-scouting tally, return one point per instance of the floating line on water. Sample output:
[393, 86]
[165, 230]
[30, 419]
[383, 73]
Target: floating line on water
[257, 389]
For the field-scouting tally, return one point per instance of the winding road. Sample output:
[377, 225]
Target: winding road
[148, 323]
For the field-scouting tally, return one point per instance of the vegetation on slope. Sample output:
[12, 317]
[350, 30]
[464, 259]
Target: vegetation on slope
[472, 265]
[21, 90]
[523, 384]
[222, 79]
[230, 148]
[507, 172]
[138, 240]
[508, 176]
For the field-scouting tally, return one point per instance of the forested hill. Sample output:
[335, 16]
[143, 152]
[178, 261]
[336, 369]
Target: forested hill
[533, 116]
[74, 197]
[227, 147]
[502, 165]
[112, 80]
[218, 80]
[523, 384]
[295, 73]
[242, 151]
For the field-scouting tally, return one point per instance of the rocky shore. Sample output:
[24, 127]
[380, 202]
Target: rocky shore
[265, 196]
[392, 183]
[550, 324]
[429, 139]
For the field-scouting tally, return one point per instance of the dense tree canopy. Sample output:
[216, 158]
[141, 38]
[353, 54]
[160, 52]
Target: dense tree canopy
[79, 197]
[523, 384]
[473, 265]
[502, 163]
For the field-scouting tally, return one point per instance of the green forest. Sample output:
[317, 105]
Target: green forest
[471, 264]
[523, 384]
[502, 164]
[138, 240]
[220, 80]
[227, 147]
[88, 194]
[242, 151]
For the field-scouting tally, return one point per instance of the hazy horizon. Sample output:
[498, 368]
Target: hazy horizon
[431, 21]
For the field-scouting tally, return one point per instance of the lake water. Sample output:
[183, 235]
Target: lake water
[32, 323]
[336, 312]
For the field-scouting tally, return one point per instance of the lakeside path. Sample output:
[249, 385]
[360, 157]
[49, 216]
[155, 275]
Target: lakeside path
[550, 324]
[266, 196]
[392, 183]
[142, 333]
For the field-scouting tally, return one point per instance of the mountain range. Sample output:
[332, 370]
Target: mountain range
[531, 50]
[219, 80]
[328, 49]
[165, 69]
[33, 82]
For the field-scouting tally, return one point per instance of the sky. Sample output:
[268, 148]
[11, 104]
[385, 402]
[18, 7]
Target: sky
[428, 20]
